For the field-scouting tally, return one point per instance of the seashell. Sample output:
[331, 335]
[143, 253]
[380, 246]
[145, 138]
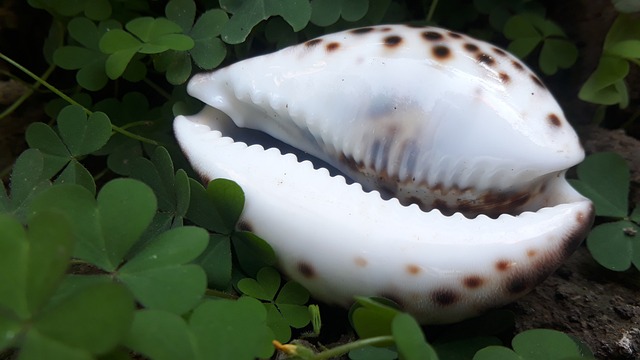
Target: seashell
[449, 195]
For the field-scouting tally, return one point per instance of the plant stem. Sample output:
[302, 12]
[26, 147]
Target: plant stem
[343, 349]
[27, 94]
[432, 9]
[71, 101]
[42, 81]
[157, 88]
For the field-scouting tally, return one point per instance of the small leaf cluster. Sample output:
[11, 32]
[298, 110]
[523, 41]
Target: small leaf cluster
[606, 85]
[604, 178]
[385, 333]
[529, 31]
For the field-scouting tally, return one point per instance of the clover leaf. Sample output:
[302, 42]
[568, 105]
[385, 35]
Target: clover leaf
[218, 209]
[537, 344]
[327, 12]
[33, 262]
[247, 14]
[106, 238]
[29, 178]
[87, 58]
[171, 188]
[159, 275]
[78, 135]
[528, 31]
[410, 340]
[161, 335]
[208, 50]
[604, 178]
[144, 35]
[232, 329]
[285, 310]
[371, 317]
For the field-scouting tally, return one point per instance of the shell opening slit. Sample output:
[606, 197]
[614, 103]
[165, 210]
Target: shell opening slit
[440, 175]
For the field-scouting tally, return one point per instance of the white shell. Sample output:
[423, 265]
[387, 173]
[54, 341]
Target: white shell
[428, 116]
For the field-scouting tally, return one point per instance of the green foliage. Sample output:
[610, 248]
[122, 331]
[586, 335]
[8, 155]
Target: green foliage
[537, 344]
[285, 308]
[157, 238]
[621, 47]
[528, 31]
[613, 244]
[34, 262]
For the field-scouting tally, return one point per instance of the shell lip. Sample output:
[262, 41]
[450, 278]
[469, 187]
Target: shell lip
[553, 190]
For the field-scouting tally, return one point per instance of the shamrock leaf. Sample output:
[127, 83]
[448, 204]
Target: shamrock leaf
[327, 12]
[247, 14]
[538, 344]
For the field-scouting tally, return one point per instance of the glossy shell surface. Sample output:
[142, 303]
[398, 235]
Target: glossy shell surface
[460, 148]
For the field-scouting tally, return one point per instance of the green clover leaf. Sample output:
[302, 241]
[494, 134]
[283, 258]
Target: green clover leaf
[327, 12]
[537, 344]
[247, 14]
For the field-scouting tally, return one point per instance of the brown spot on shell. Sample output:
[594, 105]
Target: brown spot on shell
[445, 297]
[485, 59]
[361, 31]
[499, 51]
[385, 29]
[518, 284]
[504, 265]
[306, 269]
[517, 65]
[537, 81]
[392, 41]
[312, 43]
[471, 47]
[413, 269]
[360, 261]
[432, 35]
[333, 46]
[532, 253]
[245, 225]
[441, 52]
[504, 77]
[454, 35]
[473, 281]
[554, 120]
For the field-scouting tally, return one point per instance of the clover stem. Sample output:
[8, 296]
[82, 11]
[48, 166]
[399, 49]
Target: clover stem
[42, 81]
[432, 9]
[27, 94]
[343, 349]
[157, 88]
[70, 100]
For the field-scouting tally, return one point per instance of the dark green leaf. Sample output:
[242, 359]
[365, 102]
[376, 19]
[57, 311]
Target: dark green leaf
[14, 261]
[604, 178]
[37, 346]
[216, 261]
[610, 245]
[247, 14]
[97, 9]
[252, 252]
[176, 288]
[228, 199]
[546, 344]
[83, 135]
[371, 318]
[126, 208]
[228, 329]
[27, 180]
[202, 211]
[409, 339]
[75, 173]
[264, 287]
[160, 335]
[181, 12]
[373, 353]
[209, 51]
[76, 321]
[50, 248]
[602, 86]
